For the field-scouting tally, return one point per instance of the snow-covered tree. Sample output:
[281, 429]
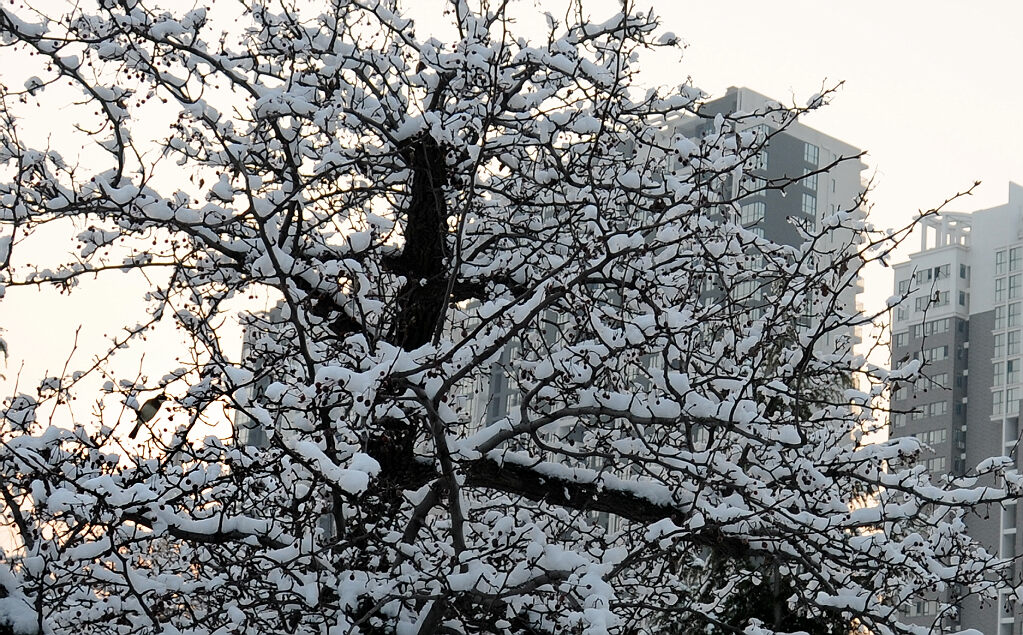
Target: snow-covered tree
[425, 211]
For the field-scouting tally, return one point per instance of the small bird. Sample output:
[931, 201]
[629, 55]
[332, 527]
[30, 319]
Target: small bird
[147, 412]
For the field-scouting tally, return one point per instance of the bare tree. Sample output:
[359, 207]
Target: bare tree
[418, 208]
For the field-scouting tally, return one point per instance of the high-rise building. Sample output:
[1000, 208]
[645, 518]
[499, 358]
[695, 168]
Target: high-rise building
[799, 176]
[963, 316]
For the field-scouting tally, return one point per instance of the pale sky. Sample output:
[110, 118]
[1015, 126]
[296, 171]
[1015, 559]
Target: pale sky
[929, 93]
[930, 90]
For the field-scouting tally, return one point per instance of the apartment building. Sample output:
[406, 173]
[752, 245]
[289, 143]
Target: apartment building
[963, 316]
[788, 186]
[795, 155]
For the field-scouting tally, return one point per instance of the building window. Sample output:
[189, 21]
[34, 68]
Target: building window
[1000, 262]
[759, 160]
[755, 184]
[746, 289]
[1000, 312]
[1000, 290]
[1012, 401]
[903, 287]
[810, 180]
[809, 204]
[941, 272]
[902, 313]
[932, 437]
[761, 131]
[1012, 371]
[901, 339]
[1015, 286]
[752, 213]
[936, 354]
[1009, 520]
[1014, 311]
[933, 327]
[938, 380]
[962, 298]
[999, 345]
[1012, 346]
[998, 372]
[939, 298]
[1015, 257]
[811, 154]
[963, 272]
[996, 402]
[922, 607]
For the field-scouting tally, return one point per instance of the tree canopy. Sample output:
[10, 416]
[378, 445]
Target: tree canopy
[427, 213]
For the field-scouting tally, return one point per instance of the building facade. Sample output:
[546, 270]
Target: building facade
[962, 315]
[800, 176]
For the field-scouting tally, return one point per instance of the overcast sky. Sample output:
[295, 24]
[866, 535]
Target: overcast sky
[930, 89]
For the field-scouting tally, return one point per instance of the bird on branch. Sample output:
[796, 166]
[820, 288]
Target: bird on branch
[147, 412]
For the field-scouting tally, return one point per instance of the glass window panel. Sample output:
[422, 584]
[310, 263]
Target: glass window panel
[752, 212]
[809, 205]
[811, 154]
